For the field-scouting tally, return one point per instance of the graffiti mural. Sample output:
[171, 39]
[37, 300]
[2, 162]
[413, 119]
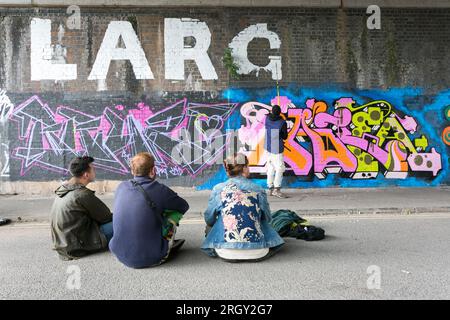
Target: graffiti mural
[446, 132]
[355, 141]
[373, 138]
[6, 108]
[49, 138]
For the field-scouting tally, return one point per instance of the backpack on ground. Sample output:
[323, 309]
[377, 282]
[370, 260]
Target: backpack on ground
[288, 224]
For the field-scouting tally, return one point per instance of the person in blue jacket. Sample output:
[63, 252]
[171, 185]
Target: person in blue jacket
[138, 224]
[239, 216]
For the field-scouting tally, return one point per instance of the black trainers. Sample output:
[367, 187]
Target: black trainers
[4, 221]
[177, 244]
[307, 233]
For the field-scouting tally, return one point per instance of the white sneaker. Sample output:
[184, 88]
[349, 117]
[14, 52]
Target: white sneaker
[277, 193]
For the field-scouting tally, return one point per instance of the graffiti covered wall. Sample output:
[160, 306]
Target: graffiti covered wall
[352, 138]
[47, 137]
[6, 109]
[364, 107]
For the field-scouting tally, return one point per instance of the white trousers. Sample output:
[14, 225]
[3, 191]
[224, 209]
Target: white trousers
[275, 168]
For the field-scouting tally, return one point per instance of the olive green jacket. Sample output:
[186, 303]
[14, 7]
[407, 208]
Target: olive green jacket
[75, 218]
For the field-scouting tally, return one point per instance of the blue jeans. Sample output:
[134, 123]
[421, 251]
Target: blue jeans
[107, 230]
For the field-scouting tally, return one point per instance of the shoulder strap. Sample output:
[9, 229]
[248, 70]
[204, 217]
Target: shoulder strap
[149, 201]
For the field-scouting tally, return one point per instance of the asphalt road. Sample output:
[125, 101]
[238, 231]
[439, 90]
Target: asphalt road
[411, 253]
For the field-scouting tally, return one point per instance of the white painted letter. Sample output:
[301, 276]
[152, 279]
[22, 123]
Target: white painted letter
[239, 46]
[42, 67]
[108, 51]
[175, 30]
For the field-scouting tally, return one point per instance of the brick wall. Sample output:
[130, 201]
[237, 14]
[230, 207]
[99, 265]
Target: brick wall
[320, 49]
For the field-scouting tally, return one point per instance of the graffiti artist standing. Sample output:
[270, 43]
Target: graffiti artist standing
[276, 132]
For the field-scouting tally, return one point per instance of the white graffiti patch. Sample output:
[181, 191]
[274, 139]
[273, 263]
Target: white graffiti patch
[4, 160]
[47, 61]
[6, 107]
[240, 43]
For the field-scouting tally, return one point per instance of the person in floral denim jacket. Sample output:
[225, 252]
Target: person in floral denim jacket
[239, 217]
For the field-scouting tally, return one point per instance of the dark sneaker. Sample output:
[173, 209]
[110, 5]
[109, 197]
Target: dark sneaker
[4, 221]
[177, 244]
[270, 192]
[307, 233]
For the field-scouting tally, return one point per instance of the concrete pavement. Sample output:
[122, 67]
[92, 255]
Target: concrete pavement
[405, 256]
[400, 234]
[305, 202]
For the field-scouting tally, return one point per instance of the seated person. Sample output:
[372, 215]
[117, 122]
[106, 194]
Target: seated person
[239, 215]
[139, 205]
[80, 222]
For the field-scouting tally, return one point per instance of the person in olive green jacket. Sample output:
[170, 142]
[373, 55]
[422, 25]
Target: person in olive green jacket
[80, 222]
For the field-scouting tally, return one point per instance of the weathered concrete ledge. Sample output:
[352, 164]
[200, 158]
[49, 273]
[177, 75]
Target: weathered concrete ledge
[325, 202]
[234, 3]
[47, 188]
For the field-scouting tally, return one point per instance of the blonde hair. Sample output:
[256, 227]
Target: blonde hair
[235, 164]
[142, 164]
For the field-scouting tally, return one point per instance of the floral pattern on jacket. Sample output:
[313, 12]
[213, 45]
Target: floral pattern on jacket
[239, 214]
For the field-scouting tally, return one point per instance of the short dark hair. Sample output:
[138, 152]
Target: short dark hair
[80, 165]
[276, 110]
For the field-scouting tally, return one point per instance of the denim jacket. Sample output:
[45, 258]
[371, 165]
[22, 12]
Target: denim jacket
[240, 217]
